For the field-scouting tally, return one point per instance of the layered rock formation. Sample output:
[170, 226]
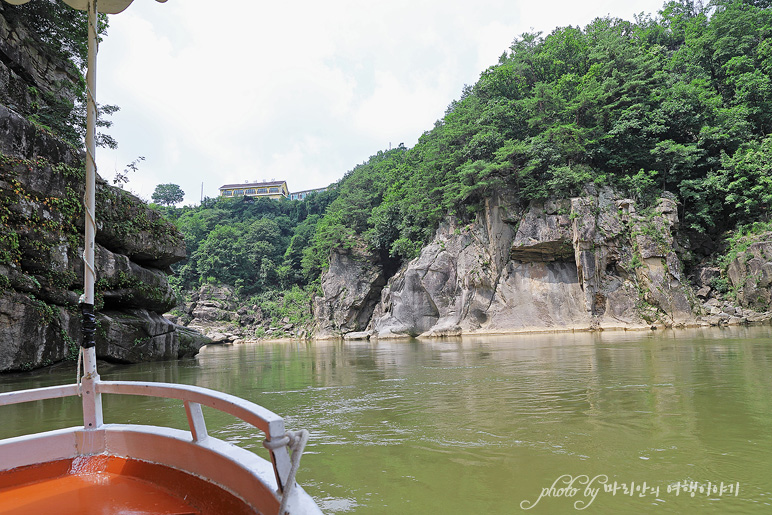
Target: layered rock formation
[31, 79]
[585, 263]
[41, 187]
[41, 242]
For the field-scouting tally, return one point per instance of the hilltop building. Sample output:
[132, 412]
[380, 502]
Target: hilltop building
[273, 189]
[300, 195]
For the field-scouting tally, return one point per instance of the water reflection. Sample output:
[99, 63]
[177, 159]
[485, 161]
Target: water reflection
[480, 424]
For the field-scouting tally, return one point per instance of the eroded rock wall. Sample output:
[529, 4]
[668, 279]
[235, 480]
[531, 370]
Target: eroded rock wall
[42, 181]
[350, 289]
[451, 287]
[30, 78]
[585, 263]
[750, 274]
[41, 244]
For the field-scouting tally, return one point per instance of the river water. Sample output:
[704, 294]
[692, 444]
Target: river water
[614, 422]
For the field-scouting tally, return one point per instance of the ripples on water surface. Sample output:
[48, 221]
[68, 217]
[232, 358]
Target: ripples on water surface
[480, 425]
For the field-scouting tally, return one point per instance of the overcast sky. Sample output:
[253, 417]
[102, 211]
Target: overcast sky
[240, 90]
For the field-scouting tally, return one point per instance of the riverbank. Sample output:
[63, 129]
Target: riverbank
[715, 321]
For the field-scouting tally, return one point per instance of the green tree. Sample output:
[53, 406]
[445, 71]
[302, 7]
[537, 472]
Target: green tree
[681, 102]
[221, 257]
[168, 194]
[61, 33]
[744, 182]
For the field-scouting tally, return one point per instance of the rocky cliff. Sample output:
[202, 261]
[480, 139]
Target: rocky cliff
[587, 263]
[41, 191]
[33, 81]
[225, 316]
[41, 243]
[750, 273]
[351, 289]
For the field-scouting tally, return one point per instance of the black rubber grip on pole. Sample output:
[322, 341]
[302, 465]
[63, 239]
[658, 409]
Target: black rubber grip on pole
[89, 325]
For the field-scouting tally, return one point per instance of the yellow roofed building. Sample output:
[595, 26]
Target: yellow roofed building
[273, 189]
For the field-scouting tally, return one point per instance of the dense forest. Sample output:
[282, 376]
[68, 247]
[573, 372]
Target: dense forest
[680, 102]
[255, 245]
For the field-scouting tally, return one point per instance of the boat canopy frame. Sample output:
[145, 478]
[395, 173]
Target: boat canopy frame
[193, 397]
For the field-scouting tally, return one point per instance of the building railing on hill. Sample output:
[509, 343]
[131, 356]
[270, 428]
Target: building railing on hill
[273, 189]
[301, 195]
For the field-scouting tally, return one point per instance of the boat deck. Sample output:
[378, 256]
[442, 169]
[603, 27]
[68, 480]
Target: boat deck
[110, 485]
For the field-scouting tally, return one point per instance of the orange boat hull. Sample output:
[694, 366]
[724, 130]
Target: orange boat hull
[111, 485]
[110, 469]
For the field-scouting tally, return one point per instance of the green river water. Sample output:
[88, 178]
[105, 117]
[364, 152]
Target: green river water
[487, 425]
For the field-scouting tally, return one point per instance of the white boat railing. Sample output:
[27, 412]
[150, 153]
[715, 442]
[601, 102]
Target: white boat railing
[272, 425]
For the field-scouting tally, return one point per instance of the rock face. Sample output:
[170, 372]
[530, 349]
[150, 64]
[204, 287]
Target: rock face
[30, 78]
[584, 263]
[42, 269]
[351, 290]
[41, 242]
[224, 316]
[750, 273]
[212, 311]
[626, 262]
[31, 332]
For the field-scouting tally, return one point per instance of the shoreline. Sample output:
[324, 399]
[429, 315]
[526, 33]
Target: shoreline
[702, 324]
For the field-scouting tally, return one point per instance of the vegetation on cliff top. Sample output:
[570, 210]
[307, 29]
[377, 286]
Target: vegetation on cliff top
[255, 245]
[61, 33]
[681, 102]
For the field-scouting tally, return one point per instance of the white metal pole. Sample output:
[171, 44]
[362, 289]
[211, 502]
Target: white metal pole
[92, 402]
[90, 198]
